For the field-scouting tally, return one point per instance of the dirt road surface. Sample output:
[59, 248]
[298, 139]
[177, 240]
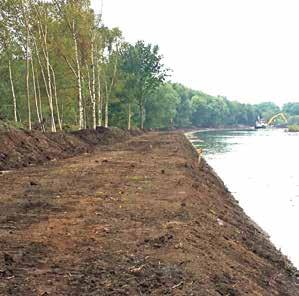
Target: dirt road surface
[141, 217]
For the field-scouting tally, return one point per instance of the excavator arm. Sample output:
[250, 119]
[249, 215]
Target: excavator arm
[281, 115]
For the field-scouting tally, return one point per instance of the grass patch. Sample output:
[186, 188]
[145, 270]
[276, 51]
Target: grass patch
[294, 128]
[136, 178]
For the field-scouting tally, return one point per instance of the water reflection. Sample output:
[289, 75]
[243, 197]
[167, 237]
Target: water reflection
[261, 169]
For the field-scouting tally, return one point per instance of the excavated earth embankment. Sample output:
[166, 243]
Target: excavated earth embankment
[140, 217]
[21, 148]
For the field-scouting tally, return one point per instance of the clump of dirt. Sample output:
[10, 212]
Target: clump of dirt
[21, 148]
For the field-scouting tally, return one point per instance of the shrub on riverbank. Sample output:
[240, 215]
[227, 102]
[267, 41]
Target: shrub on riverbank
[294, 128]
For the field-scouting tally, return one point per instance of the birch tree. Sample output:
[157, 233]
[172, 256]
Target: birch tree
[8, 45]
[13, 92]
[92, 78]
[72, 13]
[25, 6]
[112, 41]
[99, 45]
[35, 94]
[41, 19]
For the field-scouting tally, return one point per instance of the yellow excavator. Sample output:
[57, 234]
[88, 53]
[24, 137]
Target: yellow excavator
[281, 115]
[260, 123]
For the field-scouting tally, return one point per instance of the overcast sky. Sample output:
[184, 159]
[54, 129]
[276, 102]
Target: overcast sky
[247, 50]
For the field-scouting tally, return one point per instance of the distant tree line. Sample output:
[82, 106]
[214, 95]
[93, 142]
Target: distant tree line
[174, 105]
[62, 68]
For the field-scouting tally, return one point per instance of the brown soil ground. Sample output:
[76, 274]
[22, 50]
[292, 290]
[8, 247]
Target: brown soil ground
[141, 217]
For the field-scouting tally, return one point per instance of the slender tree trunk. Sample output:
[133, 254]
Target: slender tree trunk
[99, 100]
[79, 85]
[40, 105]
[92, 100]
[108, 93]
[27, 27]
[62, 114]
[84, 103]
[42, 70]
[13, 93]
[106, 117]
[27, 78]
[35, 93]
[56, 98]
[93, 88]
[141, 113]
[53, 124]
[129, 116]
[106, 112]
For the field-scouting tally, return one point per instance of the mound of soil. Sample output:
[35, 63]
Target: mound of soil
[21, 148]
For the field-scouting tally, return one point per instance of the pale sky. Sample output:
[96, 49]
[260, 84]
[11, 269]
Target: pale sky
[247, 50]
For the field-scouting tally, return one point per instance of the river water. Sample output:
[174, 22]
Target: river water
[261, 169]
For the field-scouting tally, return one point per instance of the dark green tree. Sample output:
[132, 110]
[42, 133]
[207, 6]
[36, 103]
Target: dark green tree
[161, 107]
[291, 108]
[143, 63]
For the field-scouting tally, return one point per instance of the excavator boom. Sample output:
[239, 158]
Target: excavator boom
[281, 115]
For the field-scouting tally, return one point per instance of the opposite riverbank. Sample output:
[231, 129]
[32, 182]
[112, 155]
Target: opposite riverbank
[137, 217]
[190, 132]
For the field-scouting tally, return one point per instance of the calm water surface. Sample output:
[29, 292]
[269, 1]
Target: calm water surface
[261, 169]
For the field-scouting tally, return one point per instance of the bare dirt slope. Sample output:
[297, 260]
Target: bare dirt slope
[21, 148]
[136, 218]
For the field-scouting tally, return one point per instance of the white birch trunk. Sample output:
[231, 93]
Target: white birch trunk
[99, 100]
[42, 69]
[35, 93]
[13, 92]
[93, 89]
[40, 105]
[108, 93]
[106, 117]
[56, 98]
[46, 55]
[84, 102]
[79, 85]
[129, 116]
[27, 77]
